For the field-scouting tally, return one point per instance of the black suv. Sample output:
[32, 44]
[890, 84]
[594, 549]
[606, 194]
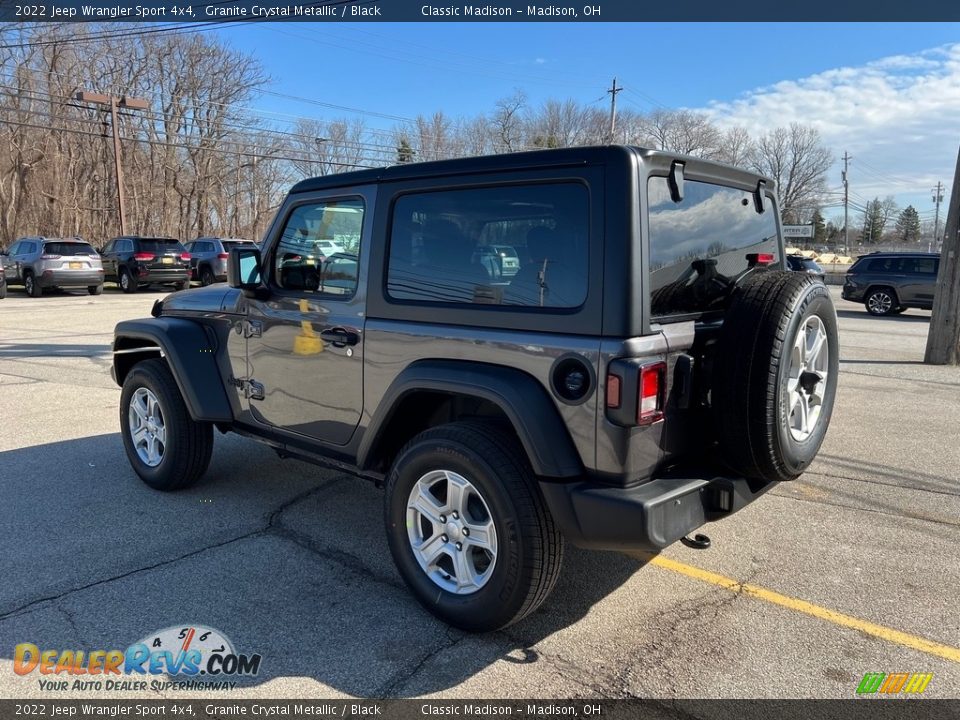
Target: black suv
[889, 283]
[649, 367]
[136, 262]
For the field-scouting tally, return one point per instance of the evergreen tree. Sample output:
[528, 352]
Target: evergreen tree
[908, 225]
[405, 152]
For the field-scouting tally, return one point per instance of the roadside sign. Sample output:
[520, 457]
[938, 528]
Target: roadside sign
[798, 231]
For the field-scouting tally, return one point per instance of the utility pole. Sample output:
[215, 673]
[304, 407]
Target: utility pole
[613, 108]
[937, 198]
[129, 103]
[943, 338]
[846, 206]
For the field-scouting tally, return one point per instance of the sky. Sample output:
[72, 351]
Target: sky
[887, 93]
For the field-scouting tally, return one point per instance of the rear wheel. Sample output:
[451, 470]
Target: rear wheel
[468, 527]
[166, 447]
[207, 276]
[127, 283]
[32, 286]
[180, 285]
[881, 301]
[3, 291]
[775, 375]
[95, 289]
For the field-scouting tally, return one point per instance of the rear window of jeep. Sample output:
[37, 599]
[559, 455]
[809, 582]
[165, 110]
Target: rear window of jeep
[700, 244]
[440, 240]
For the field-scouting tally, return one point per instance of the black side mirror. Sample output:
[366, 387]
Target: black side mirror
[243, 268]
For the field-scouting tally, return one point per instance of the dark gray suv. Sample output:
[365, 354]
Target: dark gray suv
[889, 283]
[648, 368]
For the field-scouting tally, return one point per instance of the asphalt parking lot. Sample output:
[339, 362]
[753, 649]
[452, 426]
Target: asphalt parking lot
[853, 568]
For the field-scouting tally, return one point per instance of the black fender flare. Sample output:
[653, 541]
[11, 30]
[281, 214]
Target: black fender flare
[521, 397]
[190, 351]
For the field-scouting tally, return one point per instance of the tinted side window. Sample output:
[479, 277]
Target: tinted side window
[441, 246]
[299, 260]
[927, 266]
[884, 265]
[699, 245]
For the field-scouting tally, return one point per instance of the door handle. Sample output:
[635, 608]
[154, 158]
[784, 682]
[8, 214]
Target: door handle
[340, 337]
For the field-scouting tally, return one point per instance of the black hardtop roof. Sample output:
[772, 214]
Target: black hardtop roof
[558, 157]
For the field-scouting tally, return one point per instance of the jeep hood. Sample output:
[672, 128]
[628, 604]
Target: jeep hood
[212, 299]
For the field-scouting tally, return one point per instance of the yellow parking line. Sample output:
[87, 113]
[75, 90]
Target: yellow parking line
[913, 642]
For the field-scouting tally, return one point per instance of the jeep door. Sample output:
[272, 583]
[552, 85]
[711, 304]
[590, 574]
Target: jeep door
[305, 339]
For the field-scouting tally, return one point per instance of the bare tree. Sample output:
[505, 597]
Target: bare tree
[798, 161]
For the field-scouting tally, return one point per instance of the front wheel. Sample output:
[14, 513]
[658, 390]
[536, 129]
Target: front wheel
[167, 448]
[468, 528]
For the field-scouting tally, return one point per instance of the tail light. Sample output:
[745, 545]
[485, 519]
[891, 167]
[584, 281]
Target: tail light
[652, 386]
[48, 256]
[184, 256]
[223, 256]
[143, 256]
[754, 259]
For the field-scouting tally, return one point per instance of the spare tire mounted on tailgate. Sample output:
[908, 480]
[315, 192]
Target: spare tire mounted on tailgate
[775, 374]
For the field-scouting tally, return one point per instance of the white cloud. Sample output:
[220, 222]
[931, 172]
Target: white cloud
[898, 116]
[540, 61]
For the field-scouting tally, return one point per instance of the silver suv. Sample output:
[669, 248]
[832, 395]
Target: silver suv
[39, 263]
[208, 257]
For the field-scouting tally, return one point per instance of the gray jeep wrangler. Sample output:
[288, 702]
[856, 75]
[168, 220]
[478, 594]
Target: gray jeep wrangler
[648, 368]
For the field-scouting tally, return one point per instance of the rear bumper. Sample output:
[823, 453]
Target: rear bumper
[163, 275]
[852, 293]
[70, 278]
[647, 517]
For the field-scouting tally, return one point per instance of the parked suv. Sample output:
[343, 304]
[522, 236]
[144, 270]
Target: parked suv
[208, 257]
[137, 262]
[39, 263]
[650, 367]
[889, 283]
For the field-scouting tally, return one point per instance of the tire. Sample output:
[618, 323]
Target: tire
[898, 311]
[32, 286]
[206, 276]
[95, 289]
[186, 455]
[3, 291]
[126, 282]
[180, 285]
[528, 546]
[881, 301]
[771, 408]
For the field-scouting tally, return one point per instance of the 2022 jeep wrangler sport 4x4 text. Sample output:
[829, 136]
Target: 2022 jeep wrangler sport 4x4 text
[648, 368]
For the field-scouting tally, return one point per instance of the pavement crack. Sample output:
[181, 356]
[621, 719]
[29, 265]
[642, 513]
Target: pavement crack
[72, 622]
[399, 679]
[271, 519]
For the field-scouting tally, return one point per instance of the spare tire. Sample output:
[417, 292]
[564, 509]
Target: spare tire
[775, 374]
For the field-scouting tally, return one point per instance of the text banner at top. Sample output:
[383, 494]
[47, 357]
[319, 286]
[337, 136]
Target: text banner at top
[244, 11]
